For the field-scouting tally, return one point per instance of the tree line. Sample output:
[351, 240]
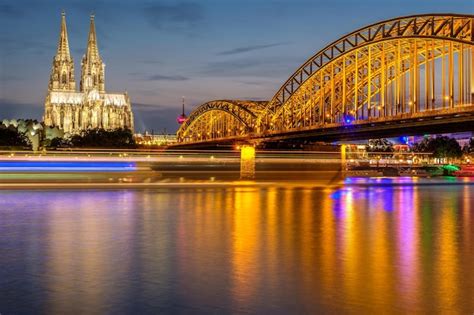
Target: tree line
[119, 138]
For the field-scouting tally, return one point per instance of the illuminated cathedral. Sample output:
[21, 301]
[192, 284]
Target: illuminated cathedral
[91, 106]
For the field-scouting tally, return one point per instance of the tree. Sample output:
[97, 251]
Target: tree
[56, 142]
[440, 147]
[10, 136]
[469, 148]
[379, 145]
[118, 138]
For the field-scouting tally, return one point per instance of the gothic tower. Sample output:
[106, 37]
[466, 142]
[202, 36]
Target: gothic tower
[91, 107]
[93, 69]
[62, 72]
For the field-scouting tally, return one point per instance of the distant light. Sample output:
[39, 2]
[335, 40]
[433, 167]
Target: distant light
[348, 118]
[181, 119]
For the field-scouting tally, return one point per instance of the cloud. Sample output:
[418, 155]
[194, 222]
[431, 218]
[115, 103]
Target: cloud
[244, 49]
[17, 45]
[151, 61]
[11, 109]
[157, 117]
[159, 77]
[4, 77]
[9, 11]
[181, 16]
[257, 67]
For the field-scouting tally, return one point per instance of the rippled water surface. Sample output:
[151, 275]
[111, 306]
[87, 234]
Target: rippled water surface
[256, 249]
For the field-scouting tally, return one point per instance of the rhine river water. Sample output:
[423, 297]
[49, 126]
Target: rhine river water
[382, 246]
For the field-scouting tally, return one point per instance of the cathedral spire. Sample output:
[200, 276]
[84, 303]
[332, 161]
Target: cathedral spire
[92, 49]
[62, 71]
[63, 52]
[93, 69]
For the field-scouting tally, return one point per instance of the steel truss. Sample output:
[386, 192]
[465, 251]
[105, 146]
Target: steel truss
[220, 119]
[402, 67]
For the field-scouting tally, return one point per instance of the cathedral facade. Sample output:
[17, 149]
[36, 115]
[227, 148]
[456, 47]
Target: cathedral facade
[91, 106]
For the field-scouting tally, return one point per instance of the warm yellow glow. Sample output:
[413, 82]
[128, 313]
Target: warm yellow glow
[247, 161]
[247, 152]
[316, 97]
[343, 156]
[91, 107]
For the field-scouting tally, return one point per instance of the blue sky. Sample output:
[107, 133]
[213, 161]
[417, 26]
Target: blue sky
[160, 51]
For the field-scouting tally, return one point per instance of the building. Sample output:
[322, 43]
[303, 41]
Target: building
[91, 106]
[149, 139]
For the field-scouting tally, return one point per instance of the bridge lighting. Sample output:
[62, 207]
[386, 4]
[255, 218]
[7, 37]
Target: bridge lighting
[315, 89]
[348, 118]
[247, 162]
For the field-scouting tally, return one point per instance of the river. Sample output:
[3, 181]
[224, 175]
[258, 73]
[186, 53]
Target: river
[364, 246]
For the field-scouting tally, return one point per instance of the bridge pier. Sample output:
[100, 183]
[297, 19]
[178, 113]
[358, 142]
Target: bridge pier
[247, 162]
[343, 157]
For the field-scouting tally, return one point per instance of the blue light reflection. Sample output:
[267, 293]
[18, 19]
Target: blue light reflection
[70, 166]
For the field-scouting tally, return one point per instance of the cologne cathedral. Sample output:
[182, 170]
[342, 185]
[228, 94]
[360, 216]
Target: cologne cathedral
[91, 107]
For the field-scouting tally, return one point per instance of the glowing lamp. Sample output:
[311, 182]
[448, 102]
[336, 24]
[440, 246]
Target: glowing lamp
[348, 118]
[181, 119]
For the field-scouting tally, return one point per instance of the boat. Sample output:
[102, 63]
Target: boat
[465, 171]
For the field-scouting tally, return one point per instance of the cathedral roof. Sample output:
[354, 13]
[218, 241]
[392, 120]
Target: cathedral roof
[79, 98]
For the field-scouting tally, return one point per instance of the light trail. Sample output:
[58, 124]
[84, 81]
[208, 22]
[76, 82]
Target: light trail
[68, 166]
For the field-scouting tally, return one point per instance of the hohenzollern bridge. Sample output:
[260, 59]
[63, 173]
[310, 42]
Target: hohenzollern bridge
[408, 75]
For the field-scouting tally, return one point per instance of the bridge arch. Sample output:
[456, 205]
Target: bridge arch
[220, 119]
[374, 72]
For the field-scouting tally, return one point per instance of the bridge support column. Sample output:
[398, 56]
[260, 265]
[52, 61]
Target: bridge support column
[247, 162]
[343, 157]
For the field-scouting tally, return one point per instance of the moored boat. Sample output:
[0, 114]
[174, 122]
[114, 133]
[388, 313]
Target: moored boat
[465, 171]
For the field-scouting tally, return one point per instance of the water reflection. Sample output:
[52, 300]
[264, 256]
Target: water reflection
[248, 249]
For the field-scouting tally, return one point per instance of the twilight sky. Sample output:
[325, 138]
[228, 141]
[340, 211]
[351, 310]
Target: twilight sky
[161, 50]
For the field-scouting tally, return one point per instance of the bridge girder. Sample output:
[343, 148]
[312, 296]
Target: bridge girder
[219, 119]
[378, 81]
[451, 27]
[398, 68]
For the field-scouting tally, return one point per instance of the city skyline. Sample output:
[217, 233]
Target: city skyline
[248, 56]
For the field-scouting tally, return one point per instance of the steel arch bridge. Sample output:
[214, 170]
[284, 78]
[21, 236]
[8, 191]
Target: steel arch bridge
[221, 119]
[396, 74]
